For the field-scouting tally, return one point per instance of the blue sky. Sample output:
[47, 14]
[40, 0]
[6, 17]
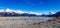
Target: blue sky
[42, 6]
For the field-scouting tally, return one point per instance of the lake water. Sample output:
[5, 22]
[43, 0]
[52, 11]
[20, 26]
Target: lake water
[27, 18]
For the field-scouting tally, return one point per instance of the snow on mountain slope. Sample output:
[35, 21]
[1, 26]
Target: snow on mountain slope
[20, 11]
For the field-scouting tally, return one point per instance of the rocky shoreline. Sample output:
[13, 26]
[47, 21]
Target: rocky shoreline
[51, 23]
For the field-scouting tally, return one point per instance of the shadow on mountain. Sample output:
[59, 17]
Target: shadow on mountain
[26, 14]
[54, 15]
[16, 14]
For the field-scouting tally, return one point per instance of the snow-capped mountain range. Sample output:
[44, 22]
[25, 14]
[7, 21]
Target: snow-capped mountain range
[20, 11]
